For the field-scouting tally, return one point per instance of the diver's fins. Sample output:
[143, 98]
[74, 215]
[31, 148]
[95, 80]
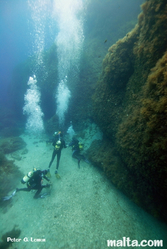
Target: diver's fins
[48, 174]
[86, 161]
[57, 176]
[44, 195]
[8, 197]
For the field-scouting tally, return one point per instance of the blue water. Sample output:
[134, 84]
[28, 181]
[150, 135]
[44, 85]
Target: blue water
[18, 33]
[22, 23]
[14, 37]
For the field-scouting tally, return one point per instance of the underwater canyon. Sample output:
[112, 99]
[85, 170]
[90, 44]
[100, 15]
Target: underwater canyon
[122, 87]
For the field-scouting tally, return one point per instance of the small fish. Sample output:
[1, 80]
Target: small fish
[105, 41]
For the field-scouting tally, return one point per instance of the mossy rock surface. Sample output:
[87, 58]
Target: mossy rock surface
[130, 107]
[11, 144]
[10, 176]
[14, 233]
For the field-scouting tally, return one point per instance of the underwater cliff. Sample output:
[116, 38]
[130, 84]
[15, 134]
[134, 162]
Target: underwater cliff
[130, 107]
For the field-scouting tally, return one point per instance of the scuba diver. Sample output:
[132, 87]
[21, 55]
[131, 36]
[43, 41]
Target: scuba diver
[58, 143]
[34, 180]
[77, 147]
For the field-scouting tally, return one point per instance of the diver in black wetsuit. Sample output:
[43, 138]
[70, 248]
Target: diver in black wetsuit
[34, 181]
[77, 147]
[59, 144]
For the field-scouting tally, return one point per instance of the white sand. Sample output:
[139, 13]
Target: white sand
[83, 210]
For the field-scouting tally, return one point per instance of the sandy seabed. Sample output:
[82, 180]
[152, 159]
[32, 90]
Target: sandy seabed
[82, 209]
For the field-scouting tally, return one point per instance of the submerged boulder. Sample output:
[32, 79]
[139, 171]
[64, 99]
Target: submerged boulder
[11, 144]
[10, 176]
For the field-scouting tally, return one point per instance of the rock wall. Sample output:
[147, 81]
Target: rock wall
[130, 106]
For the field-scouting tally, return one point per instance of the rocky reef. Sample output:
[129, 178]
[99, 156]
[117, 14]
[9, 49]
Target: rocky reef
[13, 234]
[11, 144]
[130, 107]
[10, 174]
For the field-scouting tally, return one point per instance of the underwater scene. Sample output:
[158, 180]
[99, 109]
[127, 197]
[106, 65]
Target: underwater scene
[83, 124]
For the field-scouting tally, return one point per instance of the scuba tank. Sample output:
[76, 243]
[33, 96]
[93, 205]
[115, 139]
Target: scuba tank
[27, 177]
[80, 146]
[58, 144]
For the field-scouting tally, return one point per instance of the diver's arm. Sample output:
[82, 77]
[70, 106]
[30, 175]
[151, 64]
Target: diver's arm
[45, 177]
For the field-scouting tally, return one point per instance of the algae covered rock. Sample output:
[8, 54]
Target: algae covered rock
[130, 107]
[9, 176]
[11, 144]
[14, 233]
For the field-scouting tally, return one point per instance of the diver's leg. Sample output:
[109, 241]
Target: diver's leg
[53, 157]
[80, 157]
[79, 163]
[58, 159]
[77, 156]
[74, 154]
[6, 198]
[39, 189]
[38, 192]
[85, 159]
[23, 189]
